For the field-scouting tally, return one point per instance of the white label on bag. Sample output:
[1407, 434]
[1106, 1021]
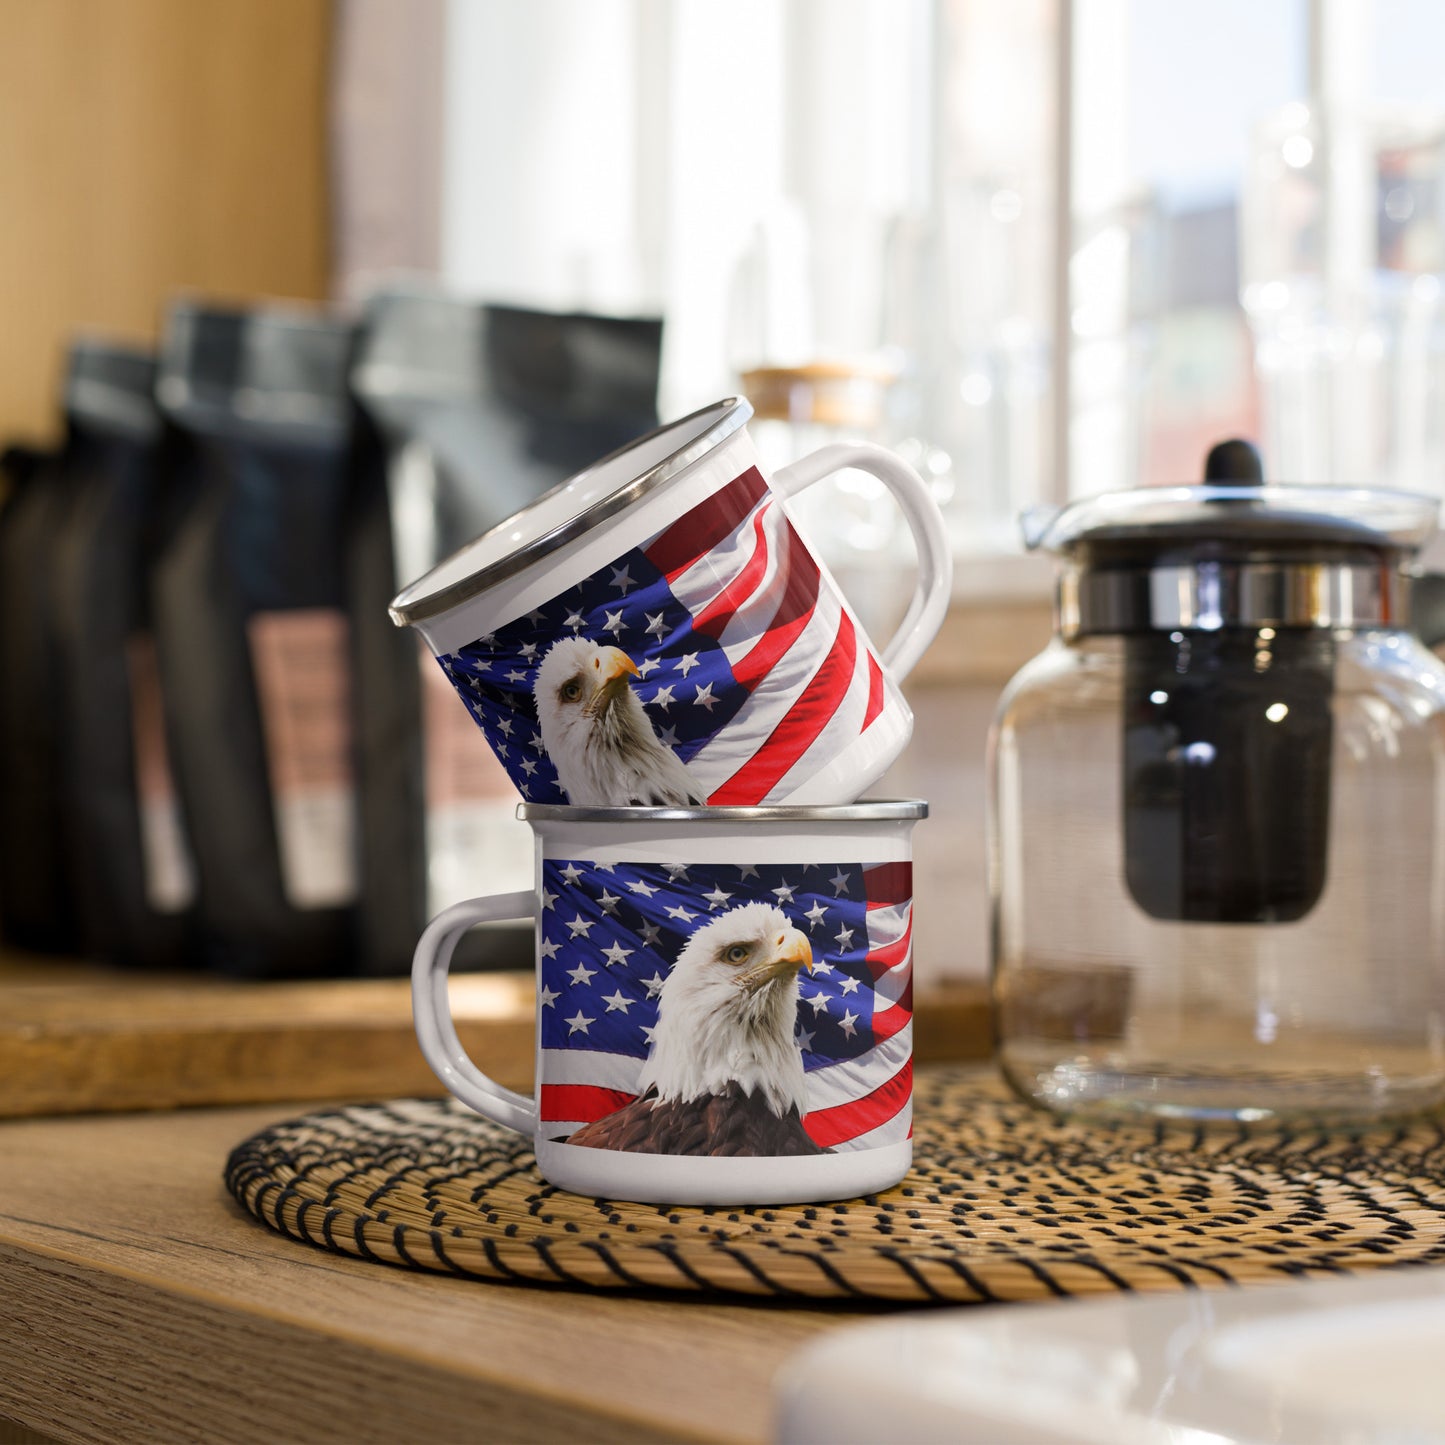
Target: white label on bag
[475, 841]
[302, 684]
[166, 862]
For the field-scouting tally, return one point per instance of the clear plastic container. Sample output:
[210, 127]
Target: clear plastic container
[1217, 815]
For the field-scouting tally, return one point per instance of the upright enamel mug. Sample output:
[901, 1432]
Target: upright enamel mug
[725, 1001]
[655, 632]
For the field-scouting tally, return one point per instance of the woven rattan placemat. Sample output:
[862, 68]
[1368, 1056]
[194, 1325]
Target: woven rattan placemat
[1004, 1203]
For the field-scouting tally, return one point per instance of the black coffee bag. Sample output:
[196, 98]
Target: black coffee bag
[252, 632]
[131, 860]
[36, 899]
[465, 413]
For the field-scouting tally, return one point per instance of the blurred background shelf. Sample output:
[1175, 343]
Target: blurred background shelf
[76, 1037]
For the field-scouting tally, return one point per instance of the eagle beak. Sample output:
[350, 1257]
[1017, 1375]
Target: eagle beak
[790, 953]
[794, 951]
[615, 664]
[614, 667]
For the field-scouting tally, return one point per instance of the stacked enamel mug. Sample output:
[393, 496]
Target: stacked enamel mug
[691, 713]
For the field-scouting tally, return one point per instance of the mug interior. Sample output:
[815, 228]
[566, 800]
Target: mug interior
[570, 500]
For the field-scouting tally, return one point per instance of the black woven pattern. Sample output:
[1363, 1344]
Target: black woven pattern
[1004, 1203]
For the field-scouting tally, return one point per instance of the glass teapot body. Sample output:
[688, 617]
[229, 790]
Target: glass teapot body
[1217, 817]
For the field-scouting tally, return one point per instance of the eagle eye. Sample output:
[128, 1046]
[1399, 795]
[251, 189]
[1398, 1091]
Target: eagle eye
[738, 953]
[571, 690]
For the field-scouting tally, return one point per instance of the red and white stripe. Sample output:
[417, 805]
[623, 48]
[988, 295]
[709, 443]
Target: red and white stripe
[580, 1085]
[867, 1101]
[739, 567]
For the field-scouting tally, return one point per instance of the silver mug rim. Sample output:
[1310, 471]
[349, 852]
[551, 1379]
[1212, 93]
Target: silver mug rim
[416, 603]
[874, 810]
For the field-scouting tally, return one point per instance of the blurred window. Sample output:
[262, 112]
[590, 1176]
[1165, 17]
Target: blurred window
[1166, 98]
[870, 193]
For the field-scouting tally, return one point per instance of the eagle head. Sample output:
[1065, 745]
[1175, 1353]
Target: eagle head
[727, 1010]
[597, 734]
[581, 681]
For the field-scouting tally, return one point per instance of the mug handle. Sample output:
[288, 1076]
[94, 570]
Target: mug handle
[431, 1009]
[930, 537]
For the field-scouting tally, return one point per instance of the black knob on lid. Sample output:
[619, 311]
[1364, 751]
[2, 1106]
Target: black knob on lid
[1235, 460]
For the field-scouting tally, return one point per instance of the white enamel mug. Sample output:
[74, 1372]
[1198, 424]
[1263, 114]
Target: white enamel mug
[725, 1001]
[654, 631]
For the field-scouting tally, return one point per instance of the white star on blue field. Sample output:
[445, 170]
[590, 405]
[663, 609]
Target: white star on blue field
[613, 934]
[684, 682]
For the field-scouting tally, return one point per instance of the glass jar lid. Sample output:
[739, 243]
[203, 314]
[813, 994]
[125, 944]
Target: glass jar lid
[1157, 519]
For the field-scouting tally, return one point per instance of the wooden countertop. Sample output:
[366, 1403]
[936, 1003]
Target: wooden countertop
[139, 1303]
[79, 1038]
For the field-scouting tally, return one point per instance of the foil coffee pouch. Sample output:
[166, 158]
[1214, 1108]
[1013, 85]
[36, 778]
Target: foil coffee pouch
[132, 868]
[464, 413]
[36, 899]
[252, 633]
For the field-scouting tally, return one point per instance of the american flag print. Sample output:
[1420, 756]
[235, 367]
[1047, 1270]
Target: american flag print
[750, 667]
[610, 933]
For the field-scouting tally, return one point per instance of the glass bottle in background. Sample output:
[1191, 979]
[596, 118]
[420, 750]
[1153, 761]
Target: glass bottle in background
[964, 319]
[850, 519]
[1117, 278]
[1342, 259]
[804, 340]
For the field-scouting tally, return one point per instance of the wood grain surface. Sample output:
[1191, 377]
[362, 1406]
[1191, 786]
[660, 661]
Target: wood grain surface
[106, 1041]
[139, 1043]
[152, 146]
[139, 1303]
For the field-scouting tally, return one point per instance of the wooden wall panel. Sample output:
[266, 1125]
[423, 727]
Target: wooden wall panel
[148, 146]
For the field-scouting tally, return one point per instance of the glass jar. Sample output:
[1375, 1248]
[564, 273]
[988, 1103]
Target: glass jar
[849, 517]
[1217, 814]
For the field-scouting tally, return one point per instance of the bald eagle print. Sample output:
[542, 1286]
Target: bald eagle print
[724, 1076]
[714, 663]
[716, 1008]
[600, 740]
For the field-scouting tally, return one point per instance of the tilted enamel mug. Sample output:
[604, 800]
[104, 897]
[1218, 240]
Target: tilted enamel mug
[654, 631]
[724, 1001]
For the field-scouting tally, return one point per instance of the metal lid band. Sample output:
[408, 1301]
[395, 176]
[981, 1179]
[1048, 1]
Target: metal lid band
[424, 599]
[1209, 595]
[1237, 513]
[880, 810]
